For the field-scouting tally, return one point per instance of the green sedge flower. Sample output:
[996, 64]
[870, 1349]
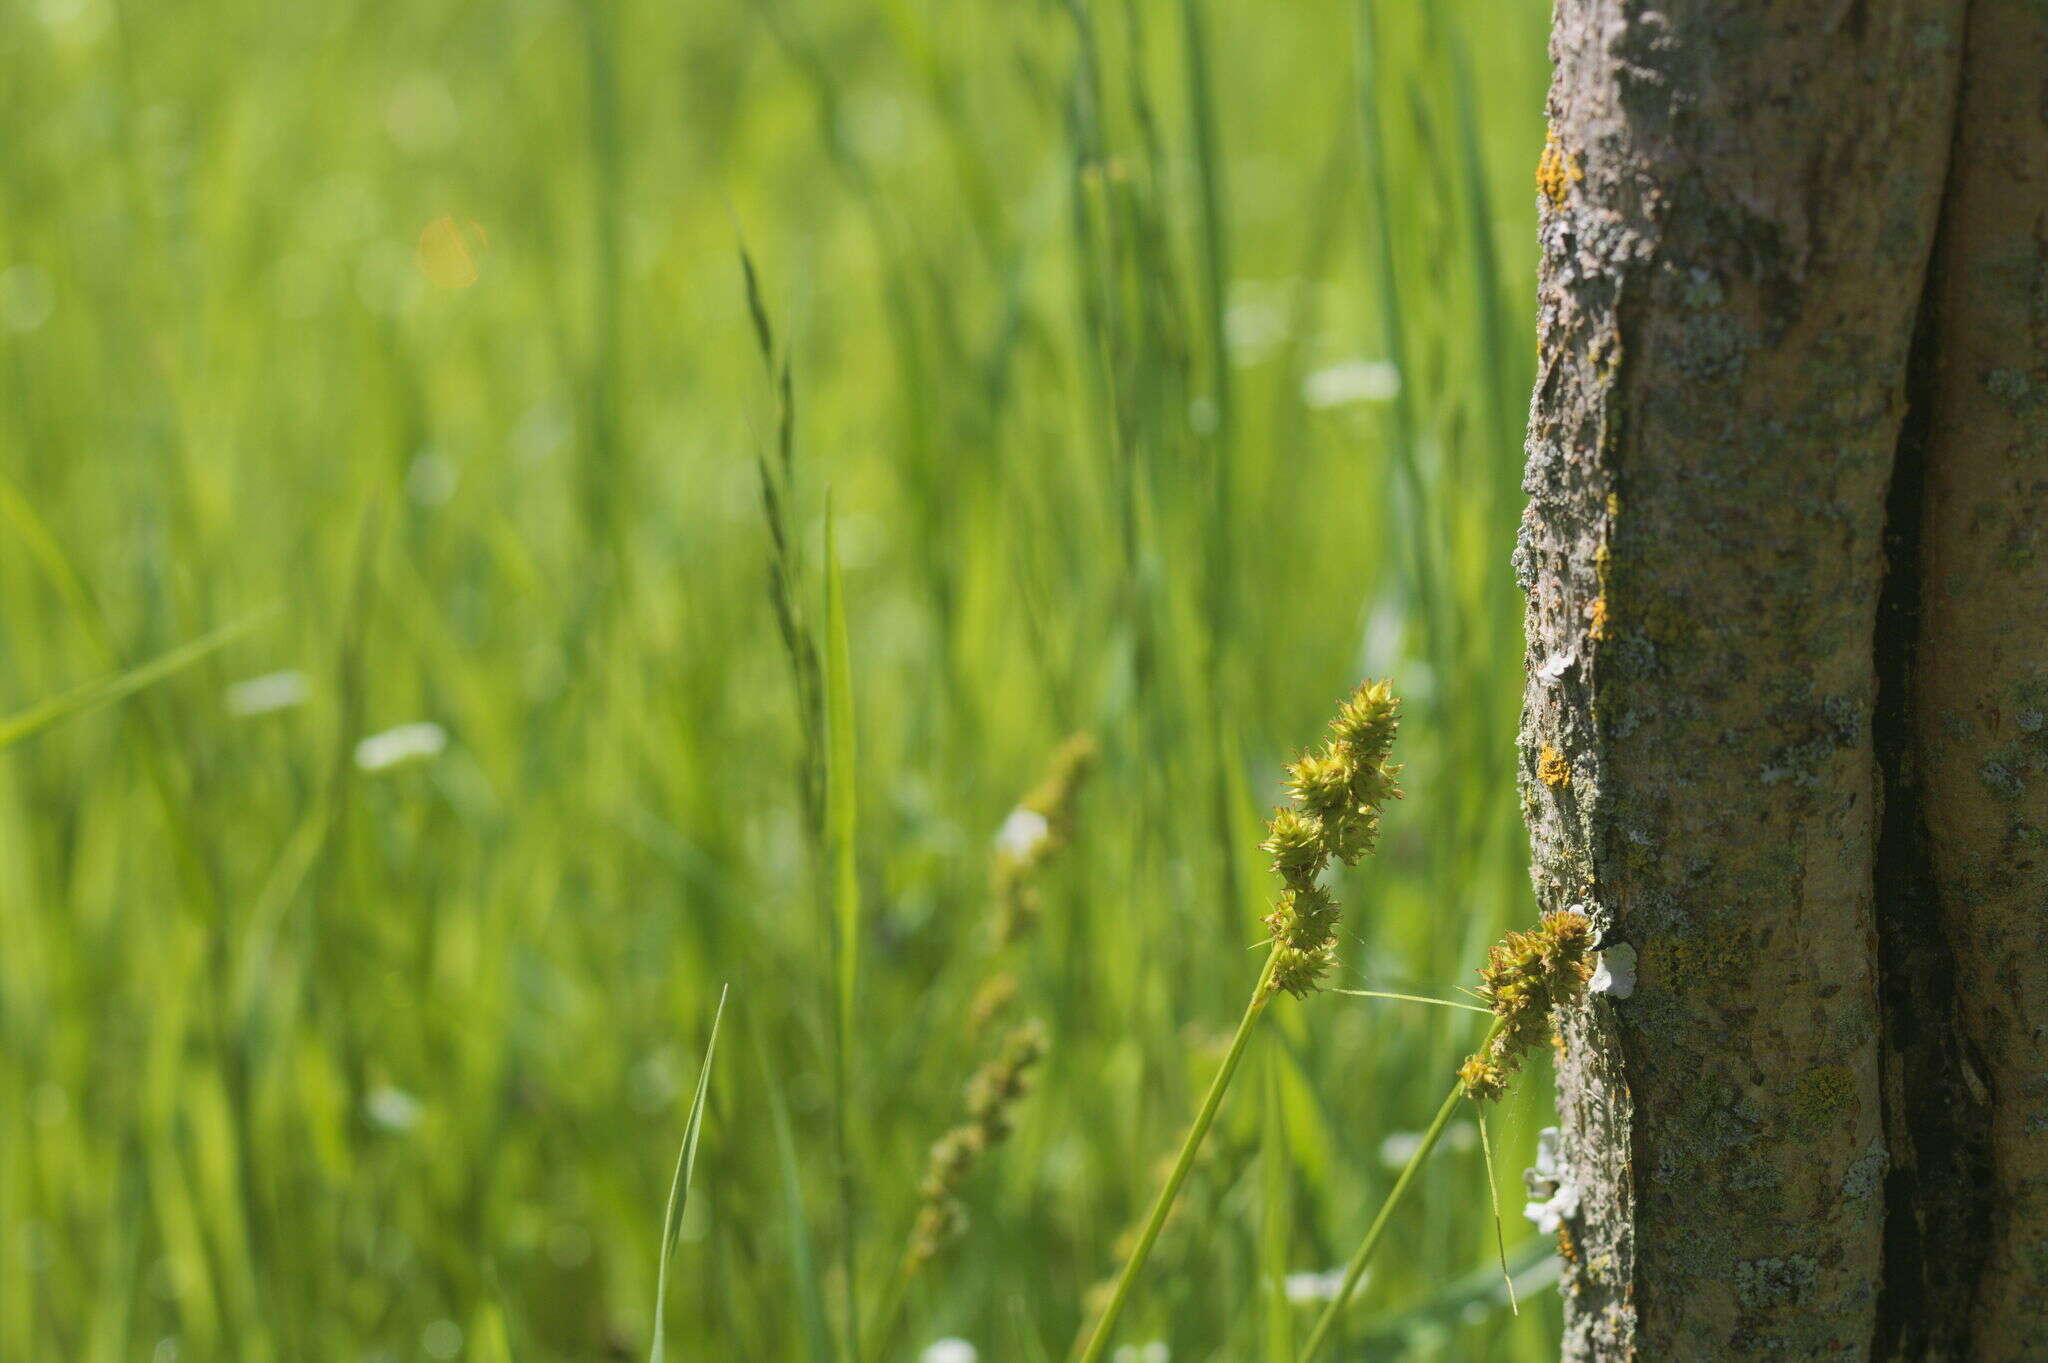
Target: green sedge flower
[1528, 976]
[1297, 843]
[1338, 791]
[1037, 829]
[1320, 782]
[992, 1097]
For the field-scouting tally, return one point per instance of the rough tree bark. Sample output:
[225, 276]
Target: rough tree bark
[1786, 557]
[1981, 666]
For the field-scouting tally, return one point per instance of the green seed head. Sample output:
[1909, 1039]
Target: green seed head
[1527, 978]
[1366, 722]
[1338, 791]
[1296, 842]
[1320, 782]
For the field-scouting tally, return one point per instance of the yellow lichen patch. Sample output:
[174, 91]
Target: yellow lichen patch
[1818, 1100]
[1613, 505]
[1715, 960]
[1552, 767]
[1596, 618]
[1557, 171]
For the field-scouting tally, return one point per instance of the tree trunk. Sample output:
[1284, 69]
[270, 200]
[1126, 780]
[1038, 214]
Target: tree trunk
[1981, 666]
[1786, 726]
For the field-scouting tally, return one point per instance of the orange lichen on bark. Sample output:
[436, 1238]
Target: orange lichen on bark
[1557, 171]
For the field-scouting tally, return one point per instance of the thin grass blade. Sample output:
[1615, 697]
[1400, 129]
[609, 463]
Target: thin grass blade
[841, 797]
[679, 1186]
[1276, 1184]
[106, 690]
[809, 1288]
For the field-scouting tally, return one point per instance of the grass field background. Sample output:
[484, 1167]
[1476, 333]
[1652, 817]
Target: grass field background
[1163, 366]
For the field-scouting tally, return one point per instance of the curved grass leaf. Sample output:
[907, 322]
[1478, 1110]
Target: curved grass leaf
[679, 1186]
[106, 690]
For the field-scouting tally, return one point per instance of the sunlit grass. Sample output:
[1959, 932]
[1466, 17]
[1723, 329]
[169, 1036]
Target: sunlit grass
[1163, 365]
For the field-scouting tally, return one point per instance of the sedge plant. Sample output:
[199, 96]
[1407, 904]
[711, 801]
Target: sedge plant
[1031, 839]
[1338, 792]
[1528, 978]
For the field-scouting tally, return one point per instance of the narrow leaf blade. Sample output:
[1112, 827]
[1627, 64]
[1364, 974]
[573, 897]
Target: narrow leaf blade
[841, 797]
[106, 690]
[679, 1185]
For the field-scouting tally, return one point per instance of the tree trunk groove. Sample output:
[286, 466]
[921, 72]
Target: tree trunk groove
[1786, 725]
[1981, 665]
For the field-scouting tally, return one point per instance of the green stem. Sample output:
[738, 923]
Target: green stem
[888, 1319]
[1355, 1270]
[1262, 993]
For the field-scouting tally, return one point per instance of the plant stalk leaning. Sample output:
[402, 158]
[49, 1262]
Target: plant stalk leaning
[1338, 792]
[1528, 976]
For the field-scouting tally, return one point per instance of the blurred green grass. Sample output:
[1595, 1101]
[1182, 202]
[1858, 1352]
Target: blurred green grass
[1164, 363]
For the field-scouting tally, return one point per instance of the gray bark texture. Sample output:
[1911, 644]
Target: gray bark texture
[1981, 664]
[1785, 731]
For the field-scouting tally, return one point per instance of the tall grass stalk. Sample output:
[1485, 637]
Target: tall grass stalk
[1354, 1270]
[1338, 791]
[1105, 1327]
[1527, 979]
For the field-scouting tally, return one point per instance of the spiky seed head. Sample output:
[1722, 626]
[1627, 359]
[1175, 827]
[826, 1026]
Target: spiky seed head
[1366, 722]
[1297, 844]
[938, 1224]
[1528, 977]
[1303, 916]
[1482, 1080]
[992, 1097]
[1320, 782]
[1372, 784]
[1300, 970]
[1356, 837]
[1337, 791]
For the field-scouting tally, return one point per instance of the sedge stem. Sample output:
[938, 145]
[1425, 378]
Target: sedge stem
[1355, 1270]
[1262, 993]
[887, 1322]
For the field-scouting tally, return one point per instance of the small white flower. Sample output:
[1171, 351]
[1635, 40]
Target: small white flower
[1022, 834]
[1340, 385]
[1399, 1147]
[1560, 1207]
[269, 692]
[1306, 1288]
[402, 744]
[1253, 327]
[393, 1108]
[1545, 1170]
[948, 1351]
[1616, 973]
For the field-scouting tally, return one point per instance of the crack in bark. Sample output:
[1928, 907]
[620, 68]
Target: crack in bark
[1936, 1221]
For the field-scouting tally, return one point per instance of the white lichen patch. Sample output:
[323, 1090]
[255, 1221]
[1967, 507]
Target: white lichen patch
[1615, 973]
[1553, 1197]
